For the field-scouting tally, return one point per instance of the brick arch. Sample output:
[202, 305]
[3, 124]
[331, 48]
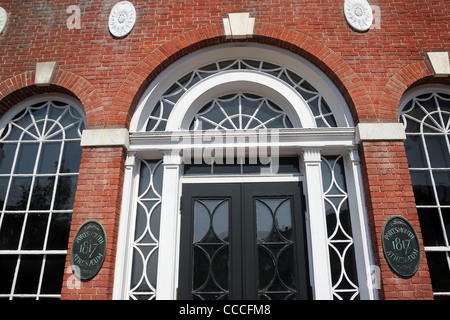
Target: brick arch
[316, 52]
[397, 85]
[21, 86]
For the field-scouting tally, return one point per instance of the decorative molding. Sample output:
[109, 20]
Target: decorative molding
[122, 19]
[45, 72]
[380, 131]
[239, 25]
[358, 14]
[440, 63]
[3, 19]
[105, 138]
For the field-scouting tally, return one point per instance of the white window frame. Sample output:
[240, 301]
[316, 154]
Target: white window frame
[4, 121]
[407, 97]
[308, 143]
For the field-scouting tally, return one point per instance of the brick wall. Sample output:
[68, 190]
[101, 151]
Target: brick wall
[98, 197]
[389, 193]
[108, 76]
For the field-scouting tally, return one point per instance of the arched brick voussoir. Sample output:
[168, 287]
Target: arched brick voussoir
[396, 86]
[22, 86]
[149, 67]
[331, 63]
[339, 71]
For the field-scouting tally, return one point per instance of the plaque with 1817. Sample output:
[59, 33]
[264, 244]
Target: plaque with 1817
[88, 250]
[401, 246]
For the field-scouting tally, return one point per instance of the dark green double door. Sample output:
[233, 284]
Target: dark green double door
[243, 241]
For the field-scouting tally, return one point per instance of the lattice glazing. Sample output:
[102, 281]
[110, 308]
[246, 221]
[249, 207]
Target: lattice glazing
[319, 107]
[340, 238]
[146, 238]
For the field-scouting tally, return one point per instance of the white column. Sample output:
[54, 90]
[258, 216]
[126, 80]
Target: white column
[321, 272]
[367, 274]
[168, 237]
[126, 227]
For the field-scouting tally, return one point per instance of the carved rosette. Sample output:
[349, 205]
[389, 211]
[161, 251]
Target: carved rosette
[358, 14]
[3, 19]
[122, 19]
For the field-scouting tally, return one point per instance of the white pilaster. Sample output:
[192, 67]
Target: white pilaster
[321, 271]
[360, 227]
[168, 240]
[126, 227]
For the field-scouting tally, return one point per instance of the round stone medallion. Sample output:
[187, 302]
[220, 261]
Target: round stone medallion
[3, 19]
[122, 19]
[358, 14]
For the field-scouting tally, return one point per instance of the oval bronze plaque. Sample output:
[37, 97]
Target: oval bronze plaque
[401, 246]
[88, 250]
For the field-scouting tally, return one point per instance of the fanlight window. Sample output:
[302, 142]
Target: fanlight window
[426, 118]
[40, 158]
[316, 102]
[240, 111]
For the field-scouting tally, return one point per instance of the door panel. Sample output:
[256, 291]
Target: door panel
[243, 241]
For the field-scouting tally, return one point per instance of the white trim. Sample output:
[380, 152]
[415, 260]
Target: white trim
[11, 113]
[44, 72]
[379, 131]
[440, 63]
[105, 137]
[122, 271]
[238, 25]
[317, 225]
[293, 62]
[240, 81]
[413, 93]
[360, 226]
[167, 279]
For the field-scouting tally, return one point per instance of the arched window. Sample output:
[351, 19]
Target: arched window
[40, 156]
[425, 113]
[232, 137]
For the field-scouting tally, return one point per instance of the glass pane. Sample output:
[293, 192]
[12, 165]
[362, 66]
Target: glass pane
[219, 268]
[49, 158]
[442, 182]
[423, 189]
[42, 193]
[415, 152]
[283, 220]
[28, 275]
[446, 219]
[266, 268]
[59, 231]
[438, 264]
[53, 274]
[65, 192]
[438, 151]
[4, 181]
[18, 193]
[35, 231]
[71, 157]
[26, 158]
[202, 221]
[264, 220]
[7, 270]
[220, 221]
[7, 153]
[11, 230]
[430, 226]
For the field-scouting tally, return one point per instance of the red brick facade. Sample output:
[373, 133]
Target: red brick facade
[371, 69]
